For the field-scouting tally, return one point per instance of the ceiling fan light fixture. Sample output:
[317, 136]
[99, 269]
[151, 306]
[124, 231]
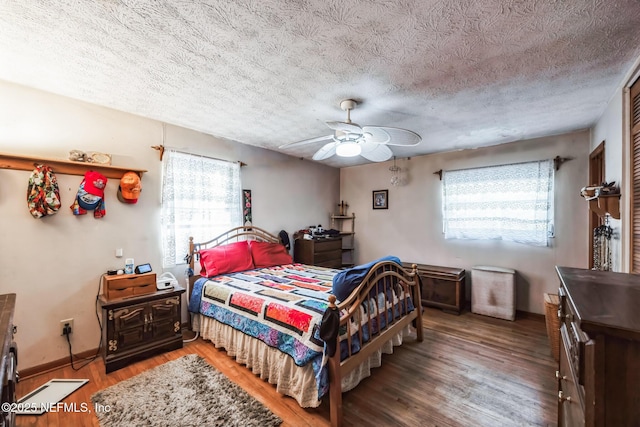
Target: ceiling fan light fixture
[348, 149]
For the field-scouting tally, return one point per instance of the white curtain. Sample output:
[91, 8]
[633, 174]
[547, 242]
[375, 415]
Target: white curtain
[508, 202]
[201, 197]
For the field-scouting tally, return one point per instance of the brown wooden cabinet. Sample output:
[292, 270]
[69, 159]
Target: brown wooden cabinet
[323, 252]
[441, 287]
[8, 358]
[138, 326]
[599, 369]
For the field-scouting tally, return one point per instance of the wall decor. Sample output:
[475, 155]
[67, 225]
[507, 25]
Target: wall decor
[381, 199]
[246, 207]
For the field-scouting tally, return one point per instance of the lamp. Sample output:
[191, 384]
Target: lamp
[395, 174]
[348, 148]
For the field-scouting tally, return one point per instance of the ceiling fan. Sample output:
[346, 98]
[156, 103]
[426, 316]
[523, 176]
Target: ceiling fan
[350, 139]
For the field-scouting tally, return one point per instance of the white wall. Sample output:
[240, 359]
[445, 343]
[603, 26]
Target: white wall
[613, 128]
[54, 264]
[609, 130]
[412, 226]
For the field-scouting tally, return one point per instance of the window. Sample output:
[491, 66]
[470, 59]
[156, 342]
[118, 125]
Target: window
[509, 202]
[201, 197]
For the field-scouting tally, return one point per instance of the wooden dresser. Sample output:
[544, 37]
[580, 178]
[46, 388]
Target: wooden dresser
[599, 370]
[442, 287]
[323, 252]
[8, 357]
[138, 326]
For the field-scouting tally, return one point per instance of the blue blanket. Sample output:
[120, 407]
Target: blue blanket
[347, 280]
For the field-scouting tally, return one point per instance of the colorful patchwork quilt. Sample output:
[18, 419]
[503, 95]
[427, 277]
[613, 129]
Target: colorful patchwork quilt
[281, 305]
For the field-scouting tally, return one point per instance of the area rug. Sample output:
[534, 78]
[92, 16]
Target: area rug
[184, 392]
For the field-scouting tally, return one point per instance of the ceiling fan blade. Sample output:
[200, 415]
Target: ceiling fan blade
[345, 127]
[326, 151]
[397, 136]
[375, 152]
[306, 141]
[376, 135]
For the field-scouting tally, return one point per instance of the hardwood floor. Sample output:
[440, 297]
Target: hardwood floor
[471, 370]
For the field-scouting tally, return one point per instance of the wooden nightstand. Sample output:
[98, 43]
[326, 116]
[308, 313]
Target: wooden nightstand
[138, 326]
[324, 252]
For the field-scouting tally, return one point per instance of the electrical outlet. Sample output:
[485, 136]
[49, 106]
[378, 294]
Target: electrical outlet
[63, 324]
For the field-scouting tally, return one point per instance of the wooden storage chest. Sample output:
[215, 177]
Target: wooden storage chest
[442, 287]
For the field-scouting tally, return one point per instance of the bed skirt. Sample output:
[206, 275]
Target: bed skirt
[278, 368]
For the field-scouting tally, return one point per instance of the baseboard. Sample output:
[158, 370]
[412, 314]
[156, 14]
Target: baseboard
[50, 366]
[528, 315]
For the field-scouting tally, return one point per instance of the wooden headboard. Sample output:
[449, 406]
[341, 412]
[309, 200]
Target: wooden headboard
[234, 235]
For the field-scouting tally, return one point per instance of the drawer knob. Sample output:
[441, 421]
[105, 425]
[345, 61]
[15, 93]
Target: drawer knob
[562, 397]
[559, 377]
[568, 316]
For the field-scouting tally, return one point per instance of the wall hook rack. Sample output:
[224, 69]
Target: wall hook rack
[27, 163]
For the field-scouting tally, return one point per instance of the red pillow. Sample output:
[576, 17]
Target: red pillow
[266, 254]
[225, 259]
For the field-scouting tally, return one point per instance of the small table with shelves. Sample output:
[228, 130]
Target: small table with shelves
[341, 223]
[137, 326]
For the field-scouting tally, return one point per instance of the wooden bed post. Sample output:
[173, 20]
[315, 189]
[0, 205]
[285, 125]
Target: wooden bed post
[417, 302]
[335, 378]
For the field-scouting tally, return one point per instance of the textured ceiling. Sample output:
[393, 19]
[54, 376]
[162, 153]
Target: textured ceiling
[461, 73]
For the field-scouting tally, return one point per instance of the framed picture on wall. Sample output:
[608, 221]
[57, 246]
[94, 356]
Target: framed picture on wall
[381, 199]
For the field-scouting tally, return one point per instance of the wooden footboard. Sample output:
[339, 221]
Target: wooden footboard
[391, 280]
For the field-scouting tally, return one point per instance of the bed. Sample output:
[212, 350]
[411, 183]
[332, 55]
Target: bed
[311, 331]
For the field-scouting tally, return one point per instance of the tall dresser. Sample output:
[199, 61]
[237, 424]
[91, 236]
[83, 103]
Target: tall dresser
[323, 252]
[599, 370]
[8, 359]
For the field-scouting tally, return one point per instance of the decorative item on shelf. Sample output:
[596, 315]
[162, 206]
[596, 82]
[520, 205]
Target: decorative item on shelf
[99, 158]
[91, 157]
[603, 199]
[77, 156]
[343, 208]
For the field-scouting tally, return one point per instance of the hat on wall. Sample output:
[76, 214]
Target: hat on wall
[43, 194]
[94, 183]
[130, 188]
[90, 195]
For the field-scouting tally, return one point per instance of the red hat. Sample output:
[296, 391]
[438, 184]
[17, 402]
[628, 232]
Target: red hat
[94, 183]
[130, 188]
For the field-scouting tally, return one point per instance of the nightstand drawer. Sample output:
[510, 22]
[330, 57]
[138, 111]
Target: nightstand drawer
[328, 245]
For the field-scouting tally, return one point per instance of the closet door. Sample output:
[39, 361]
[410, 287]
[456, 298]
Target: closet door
[634, 121]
